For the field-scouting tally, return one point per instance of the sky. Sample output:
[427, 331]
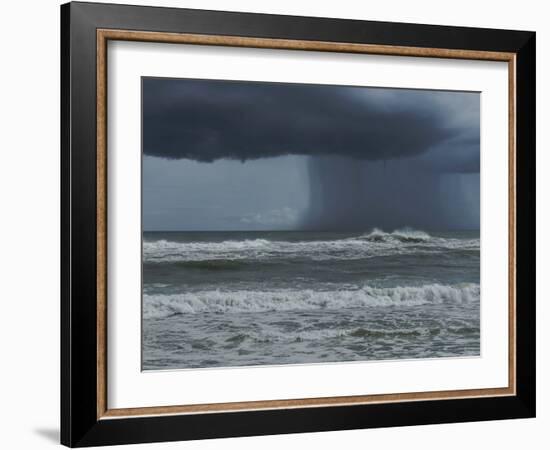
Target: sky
[241, 155]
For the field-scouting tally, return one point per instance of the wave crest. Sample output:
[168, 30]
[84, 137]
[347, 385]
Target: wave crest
[242, 301]
[373, 244]
[404, 235]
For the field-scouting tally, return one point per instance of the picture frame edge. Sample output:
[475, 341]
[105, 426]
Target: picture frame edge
[82, 423]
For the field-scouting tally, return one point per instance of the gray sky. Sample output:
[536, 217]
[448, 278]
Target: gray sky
[223, 155]
[183, 194]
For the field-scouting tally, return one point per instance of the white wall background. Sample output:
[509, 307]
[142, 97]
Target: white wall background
[29, 227]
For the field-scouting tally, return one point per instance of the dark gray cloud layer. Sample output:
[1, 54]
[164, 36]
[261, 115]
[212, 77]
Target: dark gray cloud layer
[206, 120]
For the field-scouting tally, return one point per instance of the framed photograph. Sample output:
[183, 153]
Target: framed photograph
[276, 224]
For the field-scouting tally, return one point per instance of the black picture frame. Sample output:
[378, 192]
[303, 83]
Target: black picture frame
[80, 425]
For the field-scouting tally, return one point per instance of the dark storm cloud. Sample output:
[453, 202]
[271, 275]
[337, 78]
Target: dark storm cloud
[206, 120]
[459, 155]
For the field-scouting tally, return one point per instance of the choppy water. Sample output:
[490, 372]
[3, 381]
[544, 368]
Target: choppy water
[219, 299]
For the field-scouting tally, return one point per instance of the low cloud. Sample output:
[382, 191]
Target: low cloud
[207, 120]
[276, 217]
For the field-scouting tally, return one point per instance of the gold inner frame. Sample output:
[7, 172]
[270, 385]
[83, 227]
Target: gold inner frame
[104, 35]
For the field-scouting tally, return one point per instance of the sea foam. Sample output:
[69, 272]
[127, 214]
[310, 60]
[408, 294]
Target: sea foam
[373, 244]
[242, 301]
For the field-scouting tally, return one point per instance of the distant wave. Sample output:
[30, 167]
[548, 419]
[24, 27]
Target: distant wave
[375, 243]
[405, 235]
[239, 301]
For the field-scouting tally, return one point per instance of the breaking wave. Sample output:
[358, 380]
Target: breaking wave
[375, 243]
[405, 235]
[242, 301]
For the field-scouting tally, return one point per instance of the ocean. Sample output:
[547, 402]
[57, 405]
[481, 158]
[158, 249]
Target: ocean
[224, 299]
